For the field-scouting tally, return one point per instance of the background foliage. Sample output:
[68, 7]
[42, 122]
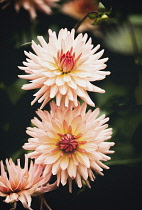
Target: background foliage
[120, 36]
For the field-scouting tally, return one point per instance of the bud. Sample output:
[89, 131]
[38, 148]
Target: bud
[104, 16]
[101, 8]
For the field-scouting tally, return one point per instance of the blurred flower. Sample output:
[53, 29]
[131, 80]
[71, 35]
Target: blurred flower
[19, 184]
[78, 9]
[70, 142]
[64, 68]
[32, 5]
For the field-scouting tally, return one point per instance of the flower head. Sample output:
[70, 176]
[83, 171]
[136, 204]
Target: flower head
[19, 184]
[32, 5]
[70, 142]
[78, 9]
[64, 68]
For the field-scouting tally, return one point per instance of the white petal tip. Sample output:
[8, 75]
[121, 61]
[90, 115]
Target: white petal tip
[108, 73]
[92, 104]
[23, 88]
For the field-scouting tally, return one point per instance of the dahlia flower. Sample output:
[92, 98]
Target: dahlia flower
[32, 5]
[78, 9]
[70, 142]
[64, 68]
[19, 184]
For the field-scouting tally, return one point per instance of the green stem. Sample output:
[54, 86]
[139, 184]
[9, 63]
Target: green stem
[13, 206]
[80, 22]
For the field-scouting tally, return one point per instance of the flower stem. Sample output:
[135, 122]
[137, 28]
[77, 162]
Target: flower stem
[80, 22]
[43, 201]
[13, 206]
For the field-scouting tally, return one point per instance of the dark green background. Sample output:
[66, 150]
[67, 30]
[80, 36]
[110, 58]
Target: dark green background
[121, 187]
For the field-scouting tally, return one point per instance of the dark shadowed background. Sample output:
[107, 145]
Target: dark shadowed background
[121, 37]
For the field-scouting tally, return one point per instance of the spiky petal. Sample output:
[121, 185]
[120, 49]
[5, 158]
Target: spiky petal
[70, 142]
[64, 68]
[20, 184]
[32, 5]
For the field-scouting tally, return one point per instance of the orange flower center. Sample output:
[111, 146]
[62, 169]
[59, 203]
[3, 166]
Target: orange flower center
[67, 62]
[68, 143]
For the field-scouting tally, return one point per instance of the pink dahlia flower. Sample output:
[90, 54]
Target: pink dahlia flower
[32, 5]
[65, 68]
[71, 142]
[19, 184]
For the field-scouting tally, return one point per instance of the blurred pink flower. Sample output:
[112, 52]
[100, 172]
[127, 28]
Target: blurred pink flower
[70, 142]
[32, 5]
[78, 9]
[64, 68]
[19, 184]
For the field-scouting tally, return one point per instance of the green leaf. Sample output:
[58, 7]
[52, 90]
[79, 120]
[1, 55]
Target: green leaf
[124, 39]
[14, 91]
[124, 161]
[135, 19]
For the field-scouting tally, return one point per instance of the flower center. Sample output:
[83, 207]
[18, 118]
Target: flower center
[68, 143]
[67, 62]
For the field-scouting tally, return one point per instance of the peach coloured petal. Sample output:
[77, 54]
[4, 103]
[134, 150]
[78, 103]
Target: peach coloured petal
[33, 5]
[70, 142]
[20, 184]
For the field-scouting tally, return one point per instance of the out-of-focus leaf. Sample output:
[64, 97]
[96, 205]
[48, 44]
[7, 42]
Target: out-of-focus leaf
[121, 39]
[112, 91]
[6, 126]
[124, 161]
[135, 19]
[17, 154]
[14, 91]
[138, 90]
[125, 118]
[24, 36]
